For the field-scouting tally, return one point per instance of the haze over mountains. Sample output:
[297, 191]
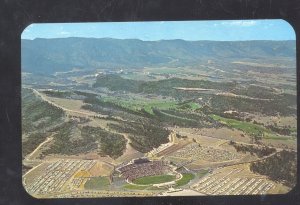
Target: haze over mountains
[63, 54]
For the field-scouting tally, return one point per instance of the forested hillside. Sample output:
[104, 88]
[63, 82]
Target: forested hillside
[50, 55]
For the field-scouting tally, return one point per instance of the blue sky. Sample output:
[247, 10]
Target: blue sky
[233, 30]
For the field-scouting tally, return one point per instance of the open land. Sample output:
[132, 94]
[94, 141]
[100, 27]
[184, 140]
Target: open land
[212, 128]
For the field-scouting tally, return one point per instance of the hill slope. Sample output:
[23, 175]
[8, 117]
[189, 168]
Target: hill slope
[50, 55]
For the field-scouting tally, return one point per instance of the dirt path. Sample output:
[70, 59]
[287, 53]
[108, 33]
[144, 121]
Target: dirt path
[228, 94]
[29, 159]
[129, 149]
[90, 114]
[48, 139]
[24, 176]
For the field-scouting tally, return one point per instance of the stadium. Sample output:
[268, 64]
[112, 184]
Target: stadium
[143, 171]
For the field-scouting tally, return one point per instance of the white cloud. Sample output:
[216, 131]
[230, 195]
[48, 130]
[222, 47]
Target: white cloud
[240, 23]
[64, 33]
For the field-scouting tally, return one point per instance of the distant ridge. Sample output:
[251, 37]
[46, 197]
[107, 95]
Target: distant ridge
[62, 54]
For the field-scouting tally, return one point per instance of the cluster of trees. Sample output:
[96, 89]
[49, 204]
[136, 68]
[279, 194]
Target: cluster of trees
[280, 130]
[85, 94]
[57, 94]
[81, 120]
[280, 167]
[164, 87]
[62, 143]
[33, 140]
[272, 69]
[280, 104]
[260, 151]
[69, 94]
[174, 117]
[101, 106]
[256, 92]
[117, 83]
[144, 135]
[181, 136]
[110, 143]
[38, 114]
[38, 117]
[233, 115]
[111, 109]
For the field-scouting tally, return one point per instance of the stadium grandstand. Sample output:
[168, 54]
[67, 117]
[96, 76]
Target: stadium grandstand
[144, 167]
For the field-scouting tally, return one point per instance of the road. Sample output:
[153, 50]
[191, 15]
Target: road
[89, 114]
[29, 160]
[40, 145]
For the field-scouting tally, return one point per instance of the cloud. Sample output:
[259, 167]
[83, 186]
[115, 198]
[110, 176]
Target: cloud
[64, 33]
[240, 23]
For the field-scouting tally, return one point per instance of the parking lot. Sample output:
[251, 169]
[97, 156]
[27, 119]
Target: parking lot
[56, 176]
[233, 182]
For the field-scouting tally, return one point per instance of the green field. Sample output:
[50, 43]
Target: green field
[186, 178]
[138, 104]
[148, 104]
[154, 179]
[159, 105]
[135, 187]
[246, 127]
[250, 128]
[191, 106]
[97, 183]
[142, 187]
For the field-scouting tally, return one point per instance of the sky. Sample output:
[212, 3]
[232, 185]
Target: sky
[225, 30]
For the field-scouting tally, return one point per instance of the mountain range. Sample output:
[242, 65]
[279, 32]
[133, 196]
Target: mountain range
[63, 54]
